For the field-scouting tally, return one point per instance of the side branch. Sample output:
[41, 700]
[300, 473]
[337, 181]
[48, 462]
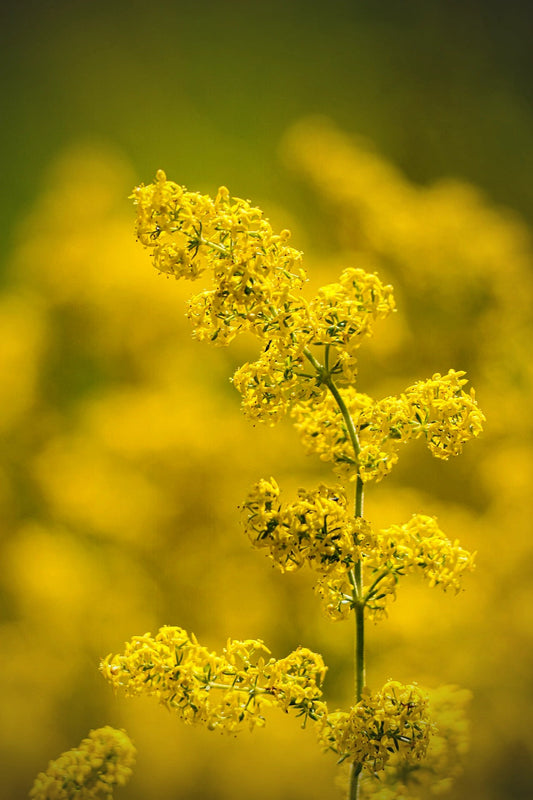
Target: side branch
[325, 377]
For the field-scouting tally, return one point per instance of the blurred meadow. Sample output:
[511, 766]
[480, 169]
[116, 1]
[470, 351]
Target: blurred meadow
[393, 136]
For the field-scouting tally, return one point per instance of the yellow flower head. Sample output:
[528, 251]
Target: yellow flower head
[316, 530]
[254, 271]
[392, 721]
[436, 409]
[444, 758]
[228, 691]
[89, 772]
[417, 546]
[345, 312]
[270, 385]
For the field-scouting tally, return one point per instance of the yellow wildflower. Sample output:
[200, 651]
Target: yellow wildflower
[344, 312]
[307, 364]
[392, 721]
[335, 590]
[437, 409]
[255, 286]
[254, 271]
[446, 415]
[270, 385]
[316, 530]
[418, 545]
[227, 691]
[89, 772]
[444, 758]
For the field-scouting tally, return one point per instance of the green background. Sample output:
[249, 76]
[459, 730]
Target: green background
[208, 88]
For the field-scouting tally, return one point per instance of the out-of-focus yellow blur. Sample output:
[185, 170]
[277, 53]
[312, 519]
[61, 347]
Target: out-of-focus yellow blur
[126, 457]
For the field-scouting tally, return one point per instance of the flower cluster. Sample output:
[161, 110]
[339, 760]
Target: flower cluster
[227, 691]
[254, 271]
[89, 772]
[336, 321]
[307, 364]
[336, 591]
[437, 409]
[270, 385]
[420, 545]
[343, 313]
[392, 721]
[319, 531]
[441, 411]
[316, 530]
[444, 758]
[417, 546]
[256, 282]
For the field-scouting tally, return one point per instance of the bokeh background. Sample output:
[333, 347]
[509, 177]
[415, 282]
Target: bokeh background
[394, 136]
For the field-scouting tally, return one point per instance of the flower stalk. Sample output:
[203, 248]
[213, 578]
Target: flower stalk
[256, 282]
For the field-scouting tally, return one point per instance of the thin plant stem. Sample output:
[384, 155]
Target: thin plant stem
[354, 781]
[352, 433]
[357, 572]
[359, 608]
[360, 604]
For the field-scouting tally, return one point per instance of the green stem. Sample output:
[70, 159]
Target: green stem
[359, 607]
[327, 380]
[357, 572]
[215, 246]
[354, 781]
[359, 603]
[360, 649]
[374, 587]
[348, 421]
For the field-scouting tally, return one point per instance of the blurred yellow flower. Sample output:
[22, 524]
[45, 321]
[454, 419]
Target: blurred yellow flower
[89, 772]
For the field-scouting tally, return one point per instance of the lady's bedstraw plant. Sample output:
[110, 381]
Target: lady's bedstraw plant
[90, 771]
[395, 738]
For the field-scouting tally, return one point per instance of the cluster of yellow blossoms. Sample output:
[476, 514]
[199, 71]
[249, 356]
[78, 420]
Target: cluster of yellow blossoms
[391, 721]
[308, 366]
[336, 321]
[227, 691]
[418, 545]
[437, 409]
[254, 272]
[256, 282]
[442, 763]
[89, 772]
[316, 530]
[319, 531]
[233, 690]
